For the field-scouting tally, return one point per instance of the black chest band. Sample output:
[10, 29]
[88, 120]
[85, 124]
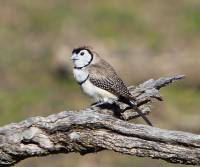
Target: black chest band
[82, 82]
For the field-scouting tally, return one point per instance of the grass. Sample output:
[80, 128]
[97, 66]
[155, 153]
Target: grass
[184, 99]
[15, 105]
[39, 98]
[115, 23]
[191, 20]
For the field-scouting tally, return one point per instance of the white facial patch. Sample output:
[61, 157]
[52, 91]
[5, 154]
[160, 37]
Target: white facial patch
[82, 58]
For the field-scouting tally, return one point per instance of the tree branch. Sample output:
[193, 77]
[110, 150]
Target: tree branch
[97, 128]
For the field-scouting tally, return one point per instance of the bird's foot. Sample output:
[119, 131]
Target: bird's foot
[118, 112]
[99, 104]
[94, 104]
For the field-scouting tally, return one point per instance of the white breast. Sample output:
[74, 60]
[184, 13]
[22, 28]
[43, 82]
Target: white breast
[80, 75]
[97, 93]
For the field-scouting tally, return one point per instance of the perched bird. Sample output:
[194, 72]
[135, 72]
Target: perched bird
[99, 80]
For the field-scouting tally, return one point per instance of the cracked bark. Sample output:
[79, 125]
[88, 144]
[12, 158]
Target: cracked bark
[99, 128]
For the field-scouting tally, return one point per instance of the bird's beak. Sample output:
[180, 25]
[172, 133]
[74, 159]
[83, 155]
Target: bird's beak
[74, 57]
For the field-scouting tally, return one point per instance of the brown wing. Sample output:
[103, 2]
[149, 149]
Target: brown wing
[103, 76]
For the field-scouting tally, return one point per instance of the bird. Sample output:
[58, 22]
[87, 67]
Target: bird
[99, 80]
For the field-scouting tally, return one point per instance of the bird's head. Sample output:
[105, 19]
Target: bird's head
[82, 57]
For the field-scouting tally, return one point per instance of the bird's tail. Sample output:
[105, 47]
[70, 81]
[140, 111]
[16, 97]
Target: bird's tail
[134, 106]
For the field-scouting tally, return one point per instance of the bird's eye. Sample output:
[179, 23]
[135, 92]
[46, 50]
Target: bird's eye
[82, 53]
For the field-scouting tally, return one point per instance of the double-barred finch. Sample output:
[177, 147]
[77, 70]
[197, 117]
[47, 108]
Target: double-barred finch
[99, 80]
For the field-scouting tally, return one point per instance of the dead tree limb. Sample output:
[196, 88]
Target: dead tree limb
[97, 128]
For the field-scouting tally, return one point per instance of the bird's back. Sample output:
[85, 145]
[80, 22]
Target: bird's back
[104, 76]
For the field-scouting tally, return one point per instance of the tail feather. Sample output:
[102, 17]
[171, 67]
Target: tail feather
[134, 106]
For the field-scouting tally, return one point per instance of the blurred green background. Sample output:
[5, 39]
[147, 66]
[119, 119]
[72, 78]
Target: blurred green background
[142, 39]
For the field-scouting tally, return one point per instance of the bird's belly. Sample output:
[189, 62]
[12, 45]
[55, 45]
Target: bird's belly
[97, 93]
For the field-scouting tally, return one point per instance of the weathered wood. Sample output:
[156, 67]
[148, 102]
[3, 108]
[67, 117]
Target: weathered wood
[98, 128]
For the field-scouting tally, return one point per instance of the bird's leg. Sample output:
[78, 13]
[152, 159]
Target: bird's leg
[98, 104]
[110, 105]
[94, 103]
